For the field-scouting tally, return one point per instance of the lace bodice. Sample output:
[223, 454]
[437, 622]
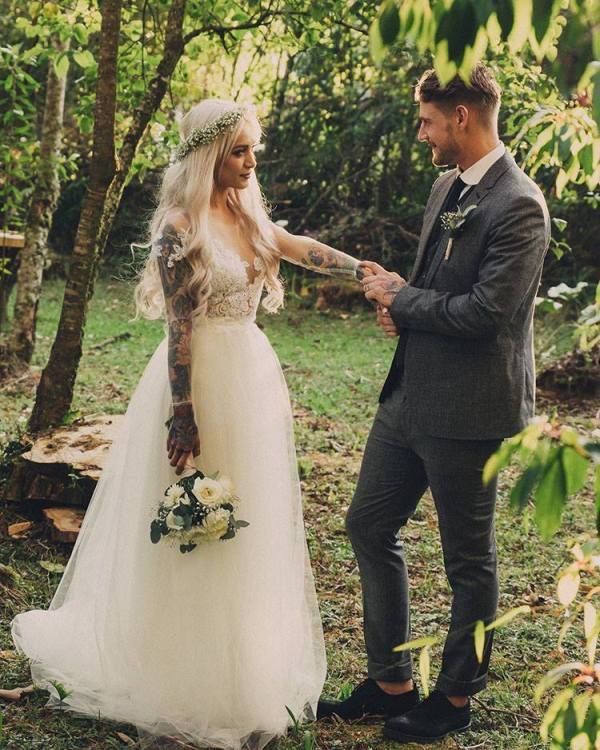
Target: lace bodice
[236, 288]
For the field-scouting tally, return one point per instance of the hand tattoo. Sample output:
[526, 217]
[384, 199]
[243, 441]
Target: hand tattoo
[183, 431]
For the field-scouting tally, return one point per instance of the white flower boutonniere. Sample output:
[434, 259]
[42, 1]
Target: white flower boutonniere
[455, 222]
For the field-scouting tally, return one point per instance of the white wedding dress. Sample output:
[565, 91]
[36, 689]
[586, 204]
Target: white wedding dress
[212, 646]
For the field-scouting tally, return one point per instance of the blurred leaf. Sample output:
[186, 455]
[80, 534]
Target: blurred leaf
[84, 59]
[541, 17]
[523, 487]
[550, 495]
[52, 567]
[424, 669]
[575, 469]
[554, 711]
[61, 65]
[428, 640]
[567, 587]
[389, 22]
[376, 45]
[506, 16]
[509, 617]
[479, 637]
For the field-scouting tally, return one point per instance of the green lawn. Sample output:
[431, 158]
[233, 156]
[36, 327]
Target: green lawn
[334, 364]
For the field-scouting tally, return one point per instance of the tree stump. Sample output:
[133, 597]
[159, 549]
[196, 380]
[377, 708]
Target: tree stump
[63, 466]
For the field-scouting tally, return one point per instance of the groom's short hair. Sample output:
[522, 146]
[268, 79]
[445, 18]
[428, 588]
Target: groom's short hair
[482, 90]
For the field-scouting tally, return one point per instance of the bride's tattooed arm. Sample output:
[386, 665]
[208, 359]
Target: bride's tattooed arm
[174, 272]
[316, 256]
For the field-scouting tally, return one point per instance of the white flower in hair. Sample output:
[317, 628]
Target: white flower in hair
[203, 136]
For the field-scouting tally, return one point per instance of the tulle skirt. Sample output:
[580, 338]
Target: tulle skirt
[212, 646]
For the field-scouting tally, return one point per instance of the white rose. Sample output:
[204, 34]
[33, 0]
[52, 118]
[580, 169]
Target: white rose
[173, 521]
[216, 523]
[174, 492]
[208, 491]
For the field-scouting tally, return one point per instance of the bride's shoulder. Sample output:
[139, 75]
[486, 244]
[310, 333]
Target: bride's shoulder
[170, 242]
[176, 221]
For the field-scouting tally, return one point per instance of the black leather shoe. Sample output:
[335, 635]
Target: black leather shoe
[368, 699]
[429, 722]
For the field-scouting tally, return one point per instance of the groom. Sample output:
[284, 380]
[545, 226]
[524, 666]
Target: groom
[462, 379]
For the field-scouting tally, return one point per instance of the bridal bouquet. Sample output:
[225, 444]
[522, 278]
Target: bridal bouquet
[197, 509]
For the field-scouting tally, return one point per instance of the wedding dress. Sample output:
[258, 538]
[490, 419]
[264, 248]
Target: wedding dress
[215, 645]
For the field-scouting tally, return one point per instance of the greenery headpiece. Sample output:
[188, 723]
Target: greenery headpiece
[202, 136]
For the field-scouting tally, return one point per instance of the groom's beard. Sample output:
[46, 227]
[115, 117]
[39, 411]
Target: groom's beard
[445, 158]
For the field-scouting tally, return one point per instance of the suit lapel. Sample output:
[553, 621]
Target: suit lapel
[431, 212]
[475, 197]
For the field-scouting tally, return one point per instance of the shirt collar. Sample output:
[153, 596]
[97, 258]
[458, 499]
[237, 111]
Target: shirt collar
[474, 174]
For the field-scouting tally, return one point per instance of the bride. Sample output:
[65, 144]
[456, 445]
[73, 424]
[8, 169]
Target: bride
[215, 646]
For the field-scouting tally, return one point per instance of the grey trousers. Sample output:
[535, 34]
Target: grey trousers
[398, 465]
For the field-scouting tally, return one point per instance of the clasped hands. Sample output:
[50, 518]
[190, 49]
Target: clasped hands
[381, 286]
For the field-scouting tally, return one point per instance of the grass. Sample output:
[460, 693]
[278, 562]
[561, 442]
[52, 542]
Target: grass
[334, 365]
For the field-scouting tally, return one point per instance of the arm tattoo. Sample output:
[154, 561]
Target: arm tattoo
[328, 261]
[175, 271]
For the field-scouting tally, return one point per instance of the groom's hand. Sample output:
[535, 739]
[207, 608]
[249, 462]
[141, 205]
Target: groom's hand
[385, 321]
[379, 285]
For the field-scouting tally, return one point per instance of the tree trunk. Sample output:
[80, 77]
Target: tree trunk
[54, 393]
[21, 342]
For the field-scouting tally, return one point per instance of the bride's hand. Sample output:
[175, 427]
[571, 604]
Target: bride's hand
[183, 439]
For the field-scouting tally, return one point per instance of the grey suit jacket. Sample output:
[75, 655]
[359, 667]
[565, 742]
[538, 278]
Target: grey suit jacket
[469, 368]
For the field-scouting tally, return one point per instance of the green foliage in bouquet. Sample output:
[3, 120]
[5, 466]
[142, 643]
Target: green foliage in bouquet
[197, 509]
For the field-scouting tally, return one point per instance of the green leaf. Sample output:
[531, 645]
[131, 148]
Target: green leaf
[550, 496]
[389, 22]
[425, 669]
[554, 712]
[155, 531]
[61, 65]
[479, 638]
[498, 460]
[575, 467]
[543, 10]
[509, 616]
[84, 59]
[52, 567]
[459, 27]
[519, 495]
[427, 640]
[506, 16]
[376, 45]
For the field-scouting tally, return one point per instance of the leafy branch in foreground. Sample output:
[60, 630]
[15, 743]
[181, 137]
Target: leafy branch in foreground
[556, 462]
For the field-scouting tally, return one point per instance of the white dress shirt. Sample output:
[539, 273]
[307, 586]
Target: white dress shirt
[475, 173]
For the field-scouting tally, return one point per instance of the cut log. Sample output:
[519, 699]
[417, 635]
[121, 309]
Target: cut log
[64, 523]
[63, 466]
[82, 446]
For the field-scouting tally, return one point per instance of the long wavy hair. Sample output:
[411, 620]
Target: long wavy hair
[187, 187]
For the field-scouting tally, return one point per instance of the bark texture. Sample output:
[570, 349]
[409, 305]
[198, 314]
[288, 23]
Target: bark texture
[55, 390]
[21, 341]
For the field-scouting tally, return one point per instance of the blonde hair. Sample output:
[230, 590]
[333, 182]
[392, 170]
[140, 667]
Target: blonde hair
[186, 190]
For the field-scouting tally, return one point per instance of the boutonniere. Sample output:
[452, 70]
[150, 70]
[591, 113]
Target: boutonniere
[455, 222]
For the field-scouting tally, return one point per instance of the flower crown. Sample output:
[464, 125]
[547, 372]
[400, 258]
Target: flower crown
[202, 136]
